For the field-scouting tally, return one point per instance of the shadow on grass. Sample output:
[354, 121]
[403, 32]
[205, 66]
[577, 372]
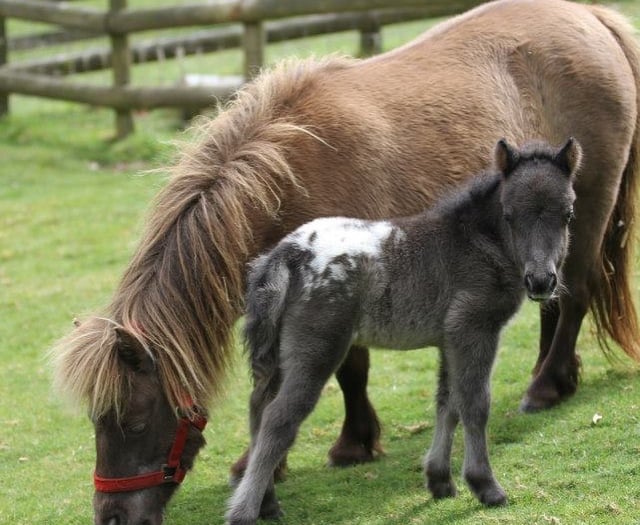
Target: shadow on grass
[391, 491]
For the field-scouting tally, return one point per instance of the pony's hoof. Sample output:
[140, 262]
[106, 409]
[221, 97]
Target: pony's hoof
[540, 398]
[234, 480]
[531, 405]
[547, 391]
[237, 470]
[346, 454]
[441, 489]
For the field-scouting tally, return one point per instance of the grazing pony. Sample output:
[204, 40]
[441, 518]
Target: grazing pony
[376, 138]
[450, 277]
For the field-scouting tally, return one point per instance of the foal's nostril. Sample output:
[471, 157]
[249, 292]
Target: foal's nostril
[553, 281]
[528, 281]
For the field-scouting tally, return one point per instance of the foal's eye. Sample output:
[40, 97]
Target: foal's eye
[569, 216]
[508, 217]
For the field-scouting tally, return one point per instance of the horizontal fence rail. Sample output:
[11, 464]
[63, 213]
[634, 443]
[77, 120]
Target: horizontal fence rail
[260, 22]
[206, 41]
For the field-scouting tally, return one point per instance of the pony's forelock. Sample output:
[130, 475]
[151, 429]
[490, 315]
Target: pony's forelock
[88, 371]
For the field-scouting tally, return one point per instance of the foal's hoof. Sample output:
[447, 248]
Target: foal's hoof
[240, 521]
[441, 489]
[487, 490]
[270, 510]
[495, 497]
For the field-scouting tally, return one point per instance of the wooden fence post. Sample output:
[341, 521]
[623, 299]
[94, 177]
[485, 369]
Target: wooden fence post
[370, 37]
[254, 42]
[121, 64]
[4, 38]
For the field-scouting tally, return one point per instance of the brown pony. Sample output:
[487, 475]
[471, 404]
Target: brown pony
[376, 138]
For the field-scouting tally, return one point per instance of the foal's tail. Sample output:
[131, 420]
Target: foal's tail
[612, 302]
[267, 289]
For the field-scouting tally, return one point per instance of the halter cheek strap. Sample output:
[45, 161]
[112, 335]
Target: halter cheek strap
[171, 472]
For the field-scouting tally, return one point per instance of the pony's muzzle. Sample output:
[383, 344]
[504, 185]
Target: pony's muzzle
[540, 285]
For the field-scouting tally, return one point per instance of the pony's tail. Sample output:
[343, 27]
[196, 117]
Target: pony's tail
[267, 290]
[612, 303]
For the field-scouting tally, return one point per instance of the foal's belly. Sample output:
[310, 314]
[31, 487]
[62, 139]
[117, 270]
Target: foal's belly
[397, 336]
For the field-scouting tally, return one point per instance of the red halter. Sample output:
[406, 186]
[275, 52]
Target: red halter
[171, 472]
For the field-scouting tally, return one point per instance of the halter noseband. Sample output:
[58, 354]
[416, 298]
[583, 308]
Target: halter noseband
[171, 472]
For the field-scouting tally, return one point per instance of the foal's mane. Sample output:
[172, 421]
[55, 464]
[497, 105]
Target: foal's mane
[486, 182]
[182, 290]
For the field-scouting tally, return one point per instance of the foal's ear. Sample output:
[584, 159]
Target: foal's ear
[505, 157]
[131, 351]
[569, 156]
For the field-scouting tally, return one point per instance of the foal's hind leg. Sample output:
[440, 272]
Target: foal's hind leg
[266, 384]
[437, 464]
[305, 373]
[359, 440]
[264, 390]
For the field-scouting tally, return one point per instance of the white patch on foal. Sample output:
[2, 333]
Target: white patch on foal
[331, 237]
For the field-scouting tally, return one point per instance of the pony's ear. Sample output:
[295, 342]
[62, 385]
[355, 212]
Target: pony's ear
[569, 156]
[131, 352]
[505, 157]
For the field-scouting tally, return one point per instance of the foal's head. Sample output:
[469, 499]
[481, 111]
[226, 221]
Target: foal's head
[537, 203]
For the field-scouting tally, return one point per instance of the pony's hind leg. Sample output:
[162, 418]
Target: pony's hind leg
[437, 463]
[305, 370]
[359, 441]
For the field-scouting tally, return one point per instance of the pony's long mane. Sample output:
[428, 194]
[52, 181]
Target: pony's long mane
[182, 290]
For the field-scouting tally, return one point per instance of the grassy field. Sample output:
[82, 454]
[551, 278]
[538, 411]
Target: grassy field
[71, 207]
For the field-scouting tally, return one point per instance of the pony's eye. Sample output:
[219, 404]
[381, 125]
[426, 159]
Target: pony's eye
[508, 217]
[137, 428]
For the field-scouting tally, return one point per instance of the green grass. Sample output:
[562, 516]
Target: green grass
[71, 207]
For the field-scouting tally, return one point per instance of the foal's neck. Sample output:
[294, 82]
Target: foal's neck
[476, 214]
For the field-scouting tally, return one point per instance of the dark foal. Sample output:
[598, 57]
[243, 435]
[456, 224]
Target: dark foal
[450, 277]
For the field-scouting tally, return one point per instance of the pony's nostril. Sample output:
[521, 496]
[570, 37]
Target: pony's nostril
[553, 281]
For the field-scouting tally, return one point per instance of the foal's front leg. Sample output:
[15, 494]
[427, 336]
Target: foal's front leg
[471, 355]
[437, 463]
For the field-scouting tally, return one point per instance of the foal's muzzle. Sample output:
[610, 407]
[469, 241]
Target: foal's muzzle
[540, 286]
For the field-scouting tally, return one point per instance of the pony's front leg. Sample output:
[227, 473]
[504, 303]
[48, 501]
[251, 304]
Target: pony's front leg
[471, 357]
[437, 463]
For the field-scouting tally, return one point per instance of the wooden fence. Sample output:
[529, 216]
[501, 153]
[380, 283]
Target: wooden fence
[256, 23]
